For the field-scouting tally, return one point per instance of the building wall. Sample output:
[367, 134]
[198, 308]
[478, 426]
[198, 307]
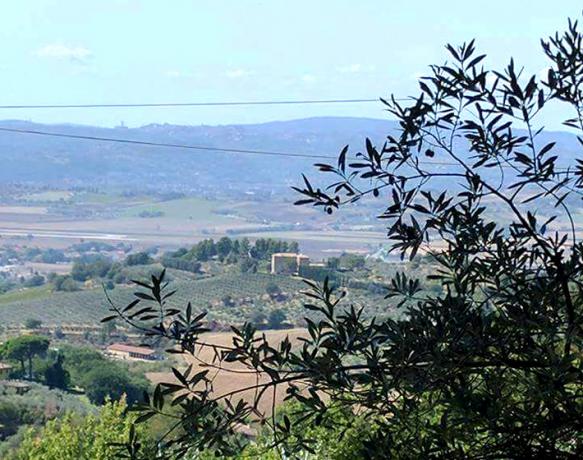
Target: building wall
[288, 264]
[4, 373]
[119, 354]
[125, 355]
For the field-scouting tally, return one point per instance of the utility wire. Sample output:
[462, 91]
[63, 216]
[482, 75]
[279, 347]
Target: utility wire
[207, 148]
[163, 144]
[188, 146]
[194, 104]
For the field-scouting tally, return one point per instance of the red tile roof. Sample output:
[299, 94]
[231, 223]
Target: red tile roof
[131, 349]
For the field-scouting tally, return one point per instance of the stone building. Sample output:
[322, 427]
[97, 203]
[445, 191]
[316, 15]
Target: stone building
[5, 370]
[288, 263]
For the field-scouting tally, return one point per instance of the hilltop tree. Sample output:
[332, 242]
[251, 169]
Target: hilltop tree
[224, 247]
[204, 250]
[490, 366]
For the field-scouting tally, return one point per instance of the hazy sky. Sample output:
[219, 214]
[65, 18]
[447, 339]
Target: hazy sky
[132, 51]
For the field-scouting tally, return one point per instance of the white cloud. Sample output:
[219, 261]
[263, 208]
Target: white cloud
[238, 73]
[183, 74]
[357, 68]
[64, 52]
[352, 68]
[175, 74]
[308, 78]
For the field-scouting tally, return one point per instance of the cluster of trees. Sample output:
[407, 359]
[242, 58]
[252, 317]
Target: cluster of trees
[91, 267]
[100, 377]
[88, 266]
[34, 281]
[98, 267]
[64, 283]
[32, 409]
[246, 255]
[138, 258]
[82, 367]
[232, 250]
[12, 416]
[36, 362]
[48, 256]
[178, 263]
[96, 246]
[53, 256]
[23, 350]
[11, 255]
[347, 262]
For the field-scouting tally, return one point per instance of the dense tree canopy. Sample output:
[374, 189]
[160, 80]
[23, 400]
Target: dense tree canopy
[233, 249]
[101, 378]
[488, 367]
[94, 437]
[55, 375]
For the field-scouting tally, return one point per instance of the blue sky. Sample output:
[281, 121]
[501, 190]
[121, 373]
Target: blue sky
[131, 51]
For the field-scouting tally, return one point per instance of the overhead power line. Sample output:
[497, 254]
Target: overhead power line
[192, 104]
[207, 148]
[164, 144]
[190, 146]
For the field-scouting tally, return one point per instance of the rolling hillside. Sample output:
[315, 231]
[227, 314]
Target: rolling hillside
[58, 161]
[73, 162]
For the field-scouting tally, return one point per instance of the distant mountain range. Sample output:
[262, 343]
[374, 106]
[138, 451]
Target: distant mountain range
[58, 161]
[62, 161]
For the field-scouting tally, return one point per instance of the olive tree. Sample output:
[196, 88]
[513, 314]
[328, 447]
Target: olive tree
[491, 365]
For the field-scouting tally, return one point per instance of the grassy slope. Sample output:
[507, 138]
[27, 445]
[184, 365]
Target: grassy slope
[24, 295]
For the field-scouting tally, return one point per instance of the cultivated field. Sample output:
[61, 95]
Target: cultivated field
[226, 381]
[59, 218]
